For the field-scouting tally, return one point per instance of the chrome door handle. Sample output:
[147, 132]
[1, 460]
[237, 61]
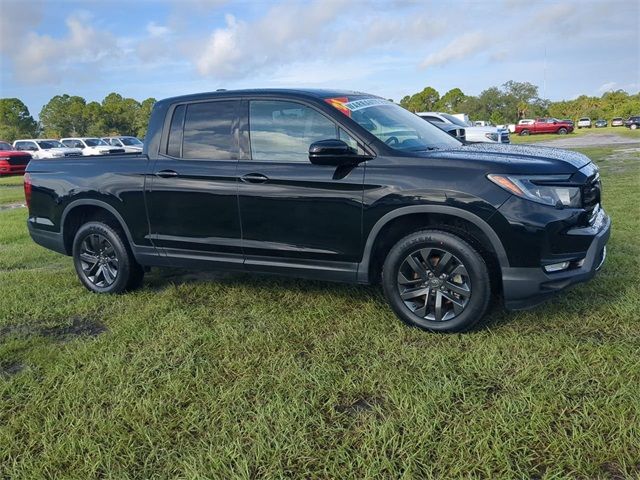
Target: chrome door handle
[166, 174]
[254, 178]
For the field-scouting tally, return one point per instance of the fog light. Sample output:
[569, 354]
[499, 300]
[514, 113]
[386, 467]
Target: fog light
[556, 267]
[580, 263]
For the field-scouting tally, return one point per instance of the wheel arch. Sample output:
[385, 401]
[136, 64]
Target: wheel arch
[414, 217]
[80, 211]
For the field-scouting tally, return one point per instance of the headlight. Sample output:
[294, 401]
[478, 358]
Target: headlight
[544, 189]
[492, 136]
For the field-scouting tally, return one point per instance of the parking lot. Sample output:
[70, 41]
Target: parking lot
[236, 376]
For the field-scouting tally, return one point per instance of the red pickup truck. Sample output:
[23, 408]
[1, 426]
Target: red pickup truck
[543, 125]
[12, 162]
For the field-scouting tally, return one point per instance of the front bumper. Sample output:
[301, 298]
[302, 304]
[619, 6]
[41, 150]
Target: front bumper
[527, 287]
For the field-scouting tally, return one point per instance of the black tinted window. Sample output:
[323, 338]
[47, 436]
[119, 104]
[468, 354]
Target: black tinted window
[208, 131]
[283, 131]
[174, 144]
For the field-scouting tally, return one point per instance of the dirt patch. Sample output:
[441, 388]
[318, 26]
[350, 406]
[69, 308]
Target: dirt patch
[594, 140]
[80, 327]
[362, 405]
[10, 369]
[11, 206]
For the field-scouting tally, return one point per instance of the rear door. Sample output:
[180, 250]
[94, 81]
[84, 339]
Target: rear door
[191, 189]
[297, 217]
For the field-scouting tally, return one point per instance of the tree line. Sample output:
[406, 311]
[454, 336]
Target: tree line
[515, 100]
[68, 116]
[72, 116]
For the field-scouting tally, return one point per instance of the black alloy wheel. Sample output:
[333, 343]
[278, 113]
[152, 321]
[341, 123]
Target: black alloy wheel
[98, 260]
[435, 280]
[103, 259]
[434, 284]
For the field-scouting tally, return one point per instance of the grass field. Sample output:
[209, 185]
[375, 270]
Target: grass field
[231, 376]
[621, 131]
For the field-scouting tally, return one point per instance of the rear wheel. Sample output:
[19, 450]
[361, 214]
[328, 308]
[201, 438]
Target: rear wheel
[436, 281]
[633, 126]
[103, 261]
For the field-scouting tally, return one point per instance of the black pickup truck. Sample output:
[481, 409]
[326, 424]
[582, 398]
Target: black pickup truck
[331, 185]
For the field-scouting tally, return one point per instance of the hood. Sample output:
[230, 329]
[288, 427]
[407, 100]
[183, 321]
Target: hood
[63, 150]
[13, 153]
[484, 130]
[518, 159]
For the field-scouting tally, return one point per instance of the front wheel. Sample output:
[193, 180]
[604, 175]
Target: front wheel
[524, 133]
[102, 260]
[562, 131]
[436, 281]
[633, 126]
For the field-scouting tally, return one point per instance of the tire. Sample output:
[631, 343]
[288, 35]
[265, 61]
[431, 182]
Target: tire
[463, 293]
[562, 131]
[103, 260]
[524, 133]
[633, 126]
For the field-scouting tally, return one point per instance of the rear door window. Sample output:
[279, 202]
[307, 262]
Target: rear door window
[209, 131]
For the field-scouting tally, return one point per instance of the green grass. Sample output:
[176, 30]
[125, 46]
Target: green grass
[620, 131]
[231, 376]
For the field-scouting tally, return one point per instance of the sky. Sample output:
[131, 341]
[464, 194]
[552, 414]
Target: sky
[144, 48]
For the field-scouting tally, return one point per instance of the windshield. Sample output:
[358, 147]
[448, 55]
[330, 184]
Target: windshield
[50, 144]
[131, 141]
[5, 146]
[396, 127]
[454, 120]
[95, 142]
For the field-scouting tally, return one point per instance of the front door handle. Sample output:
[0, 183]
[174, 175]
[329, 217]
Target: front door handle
[254, 178]
[166, 174]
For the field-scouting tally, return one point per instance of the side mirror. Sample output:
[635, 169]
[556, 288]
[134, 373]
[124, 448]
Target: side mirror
[335, 153]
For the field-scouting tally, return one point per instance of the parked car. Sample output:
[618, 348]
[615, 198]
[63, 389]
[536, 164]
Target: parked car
[633, 122]
[483, 123]
[568, 120]
[473, 134]
[617, 122]
[12, 162]
[130, 144]
[329, 185]
[543, 125]
[454, 130]
[584, 122]
[46, 148]
[600, 123]
[91, 146]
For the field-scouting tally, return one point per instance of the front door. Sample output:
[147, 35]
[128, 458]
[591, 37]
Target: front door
[191, 190]
[297, 218]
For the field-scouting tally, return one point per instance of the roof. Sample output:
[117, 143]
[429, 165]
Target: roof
[314, 93]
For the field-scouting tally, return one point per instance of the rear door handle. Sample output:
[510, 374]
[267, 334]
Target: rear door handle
[254, 178]
[166, 174]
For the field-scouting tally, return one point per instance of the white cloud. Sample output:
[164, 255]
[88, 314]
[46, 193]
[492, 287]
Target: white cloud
[42, 58]
[155, 30]
[462, 47]
[606, 87]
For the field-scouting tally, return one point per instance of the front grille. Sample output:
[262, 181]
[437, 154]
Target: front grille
[114, 151]
[504, 137]
[19, 160]
[591, 192]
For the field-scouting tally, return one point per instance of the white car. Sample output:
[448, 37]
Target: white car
[584, 122]
[46, 148]
[91, 145]
[472, 133]
[130, 144]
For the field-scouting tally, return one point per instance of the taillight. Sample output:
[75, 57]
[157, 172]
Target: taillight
[27, 189]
